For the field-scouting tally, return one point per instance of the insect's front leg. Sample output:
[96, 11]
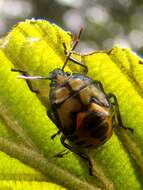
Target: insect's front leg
[74, 60]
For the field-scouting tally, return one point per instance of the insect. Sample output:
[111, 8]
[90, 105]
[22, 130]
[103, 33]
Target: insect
[84, 114]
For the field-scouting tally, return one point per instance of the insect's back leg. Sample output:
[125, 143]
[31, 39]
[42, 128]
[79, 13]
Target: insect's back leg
[82, 155]
[118, 115]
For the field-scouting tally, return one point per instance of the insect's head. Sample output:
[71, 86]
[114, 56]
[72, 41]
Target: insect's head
[58, 75]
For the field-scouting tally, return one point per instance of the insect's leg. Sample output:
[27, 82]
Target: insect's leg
[73, 59]
[82, 155]
[24, 73]
[79, 63]
[110, 95]
[70, 52]
[50, 116]
[54, 135]
[61, 154]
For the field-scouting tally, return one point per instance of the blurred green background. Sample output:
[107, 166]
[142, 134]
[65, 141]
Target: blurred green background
[105, 22]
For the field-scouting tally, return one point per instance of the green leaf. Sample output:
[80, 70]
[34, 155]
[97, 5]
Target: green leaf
[29, 185]
[25, 130]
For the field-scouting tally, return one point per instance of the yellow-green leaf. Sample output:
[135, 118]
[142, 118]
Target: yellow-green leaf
[29, 185]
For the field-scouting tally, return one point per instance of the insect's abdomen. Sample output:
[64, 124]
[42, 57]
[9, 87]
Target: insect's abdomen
[94, 126]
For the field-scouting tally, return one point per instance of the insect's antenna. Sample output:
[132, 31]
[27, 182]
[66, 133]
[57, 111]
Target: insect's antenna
[33, 77]
[27, 77]
[73, 47]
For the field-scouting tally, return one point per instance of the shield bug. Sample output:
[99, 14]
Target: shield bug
[83, 112]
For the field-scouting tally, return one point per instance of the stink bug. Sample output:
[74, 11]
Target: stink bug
[80, 108]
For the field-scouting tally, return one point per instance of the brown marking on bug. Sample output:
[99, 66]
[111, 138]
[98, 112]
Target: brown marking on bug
[60, 79]
[85, 95]
[61, 94]
[99, 131]
[76, 84]
[70, 105]
[104, 111]
[96, 92]
[92, 121]
[80, 118]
